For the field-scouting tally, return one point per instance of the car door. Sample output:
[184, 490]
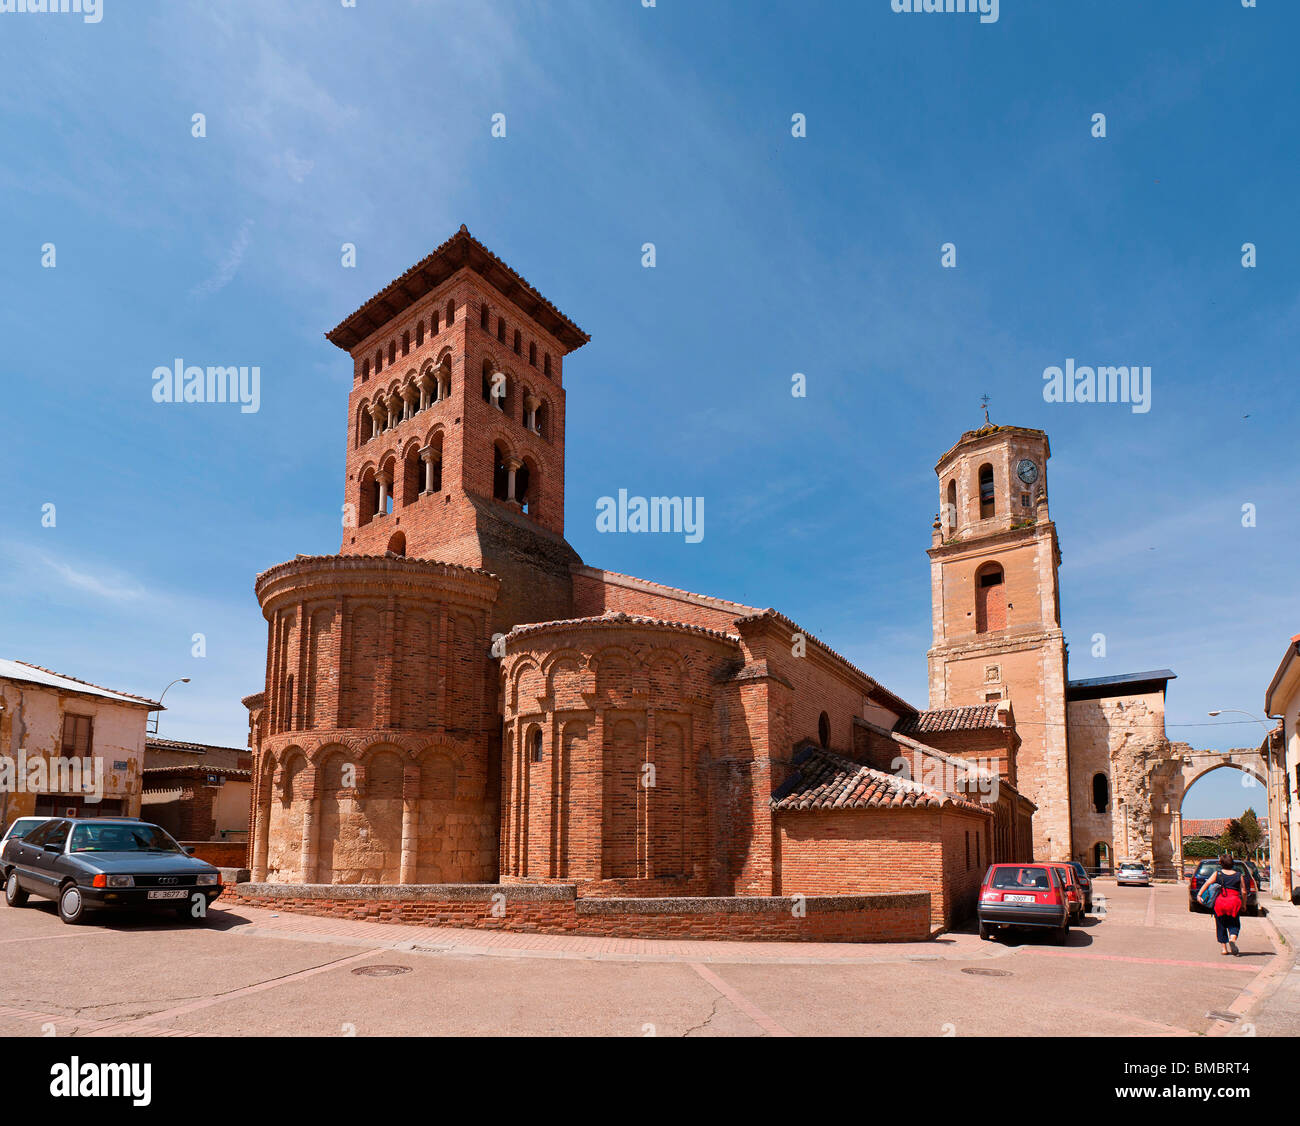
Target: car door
[46, 871]
[20, 854]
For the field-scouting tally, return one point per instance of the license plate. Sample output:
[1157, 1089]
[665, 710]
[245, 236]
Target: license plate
[1019, 898]
[179, 893]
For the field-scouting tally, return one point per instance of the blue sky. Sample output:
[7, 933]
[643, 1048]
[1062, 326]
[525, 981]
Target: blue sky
[776, 255]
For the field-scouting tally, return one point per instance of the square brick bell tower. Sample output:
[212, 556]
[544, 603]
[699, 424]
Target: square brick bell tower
[455, 440]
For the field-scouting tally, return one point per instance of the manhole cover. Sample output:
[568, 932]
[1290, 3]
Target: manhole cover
[979, 972]
[381, 971]
[1217, 1014]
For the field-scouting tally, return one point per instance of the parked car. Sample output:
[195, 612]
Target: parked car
[21, 827]
[1204, 870]
[1085, 882]
[92, 863]
[1261, 875]
[1132, 873]
[1028, 895]
[1073, 892]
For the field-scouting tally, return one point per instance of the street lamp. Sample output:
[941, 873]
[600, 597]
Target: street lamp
[155, 714]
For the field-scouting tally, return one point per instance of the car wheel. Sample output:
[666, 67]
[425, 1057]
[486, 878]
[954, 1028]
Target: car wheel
[72, 904]
[985, 934]
[14, 895]
[1061, 935]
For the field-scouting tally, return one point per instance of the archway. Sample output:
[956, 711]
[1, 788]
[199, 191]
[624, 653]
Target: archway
[1196, 766]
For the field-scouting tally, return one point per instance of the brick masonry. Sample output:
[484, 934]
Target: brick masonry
[555, 909]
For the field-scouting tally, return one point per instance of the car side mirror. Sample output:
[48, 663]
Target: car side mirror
[53, 847]
[189, 850]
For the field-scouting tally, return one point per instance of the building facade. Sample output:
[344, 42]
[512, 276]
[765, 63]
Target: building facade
[1282, 701]
[455, 697]
[70, 748]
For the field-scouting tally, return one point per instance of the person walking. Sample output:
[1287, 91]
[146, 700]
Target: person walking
[1228, 904]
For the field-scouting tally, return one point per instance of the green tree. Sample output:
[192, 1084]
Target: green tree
[1243, 835]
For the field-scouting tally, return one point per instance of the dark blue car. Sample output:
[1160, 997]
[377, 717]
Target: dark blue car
[93, 863]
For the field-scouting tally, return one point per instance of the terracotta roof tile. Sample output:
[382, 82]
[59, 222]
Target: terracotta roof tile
[824, 780]
[975, 718]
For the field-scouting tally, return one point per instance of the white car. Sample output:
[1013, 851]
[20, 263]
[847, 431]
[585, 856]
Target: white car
[1133, 874]
[21, 827]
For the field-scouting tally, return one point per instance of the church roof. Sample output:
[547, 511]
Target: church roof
[824, 780]
[460, 251]
[619, 618]
[1103, 687]
[978, 717]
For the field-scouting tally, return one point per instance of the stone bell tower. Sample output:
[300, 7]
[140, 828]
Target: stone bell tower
[996, 611]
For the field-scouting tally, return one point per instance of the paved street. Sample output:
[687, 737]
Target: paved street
[1146, 966]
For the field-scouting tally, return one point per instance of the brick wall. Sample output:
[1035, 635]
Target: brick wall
[556, 910]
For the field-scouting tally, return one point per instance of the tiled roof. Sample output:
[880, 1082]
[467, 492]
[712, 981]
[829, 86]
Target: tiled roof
[824, 780]
[616, 618]
[34, 674]
[975, 718]
[459, 251]
[154, 777]
[157, 743]
[1211, 827]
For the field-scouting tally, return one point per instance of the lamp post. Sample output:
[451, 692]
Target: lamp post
[155, 714]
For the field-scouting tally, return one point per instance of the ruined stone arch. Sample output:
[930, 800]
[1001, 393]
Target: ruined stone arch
[1245, 768]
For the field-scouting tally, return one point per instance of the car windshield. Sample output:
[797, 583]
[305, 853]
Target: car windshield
[1017, 877]
[122, 838]
[25, 825]
[1131, 868]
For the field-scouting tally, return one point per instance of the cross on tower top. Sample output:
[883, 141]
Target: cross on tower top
[984, 402]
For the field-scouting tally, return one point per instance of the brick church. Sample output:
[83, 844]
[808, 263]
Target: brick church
[455, 697]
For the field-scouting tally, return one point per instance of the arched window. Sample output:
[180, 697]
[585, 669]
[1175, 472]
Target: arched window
[542, 420]
[988, 503]
[496, 386]
[526, 482]
[546, 365]
[406, 343]
[532, 352]
[451, 313]
[500, 474]
[392, 352]
[1100, 792]
[419, 333]
[433, 323]
[365, 424]
[824, 730]
[535, 745]
[990, 599]
[411, 474]
[501, 329]
[950, 517]
[485, 318]
[518, 345]
[397, 545]
[365, 370]
[432, 456]
[367, 498]
[379, 360]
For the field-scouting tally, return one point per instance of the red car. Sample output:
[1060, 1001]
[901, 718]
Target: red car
[1031, 895]
[1073, 889]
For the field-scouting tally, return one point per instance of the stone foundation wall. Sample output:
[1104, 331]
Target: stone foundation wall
[555, 909]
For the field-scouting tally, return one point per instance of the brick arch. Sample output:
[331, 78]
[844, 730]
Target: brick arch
[522, 669]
